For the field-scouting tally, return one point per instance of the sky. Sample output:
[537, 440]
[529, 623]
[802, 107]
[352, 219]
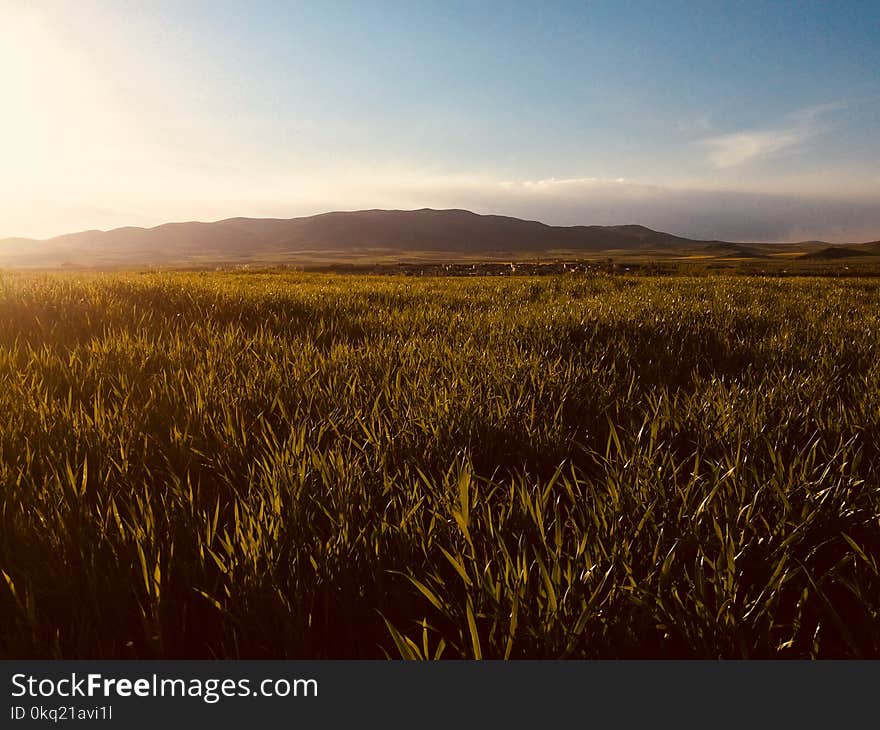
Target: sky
[730, 120]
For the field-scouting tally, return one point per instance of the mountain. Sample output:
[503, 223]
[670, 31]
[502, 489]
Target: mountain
[841, 252]
[380, 232]
[723, 249]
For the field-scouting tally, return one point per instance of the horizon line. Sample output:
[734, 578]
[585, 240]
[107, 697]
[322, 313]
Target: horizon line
[220, 221]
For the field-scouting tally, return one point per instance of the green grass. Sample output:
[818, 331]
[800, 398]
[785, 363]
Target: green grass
[295, 465]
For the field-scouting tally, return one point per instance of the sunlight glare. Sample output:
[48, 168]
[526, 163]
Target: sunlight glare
[55, 128]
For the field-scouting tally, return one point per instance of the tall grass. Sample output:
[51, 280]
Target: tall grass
[290, 465]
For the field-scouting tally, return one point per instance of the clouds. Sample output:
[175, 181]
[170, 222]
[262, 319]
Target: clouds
[731, 150]
[739, 148]
[733, 215]
[557, 186]
[696, 212]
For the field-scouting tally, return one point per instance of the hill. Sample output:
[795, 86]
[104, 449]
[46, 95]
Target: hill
[392, 234]
[245, 239]
[841, 252]
[723, 249]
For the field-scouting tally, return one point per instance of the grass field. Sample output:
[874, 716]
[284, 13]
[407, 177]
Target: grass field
[305, 465]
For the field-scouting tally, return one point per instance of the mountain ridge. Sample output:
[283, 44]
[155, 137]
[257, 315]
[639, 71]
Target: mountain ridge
[455, 231]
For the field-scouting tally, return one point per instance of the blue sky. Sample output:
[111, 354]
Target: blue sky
[738, 120]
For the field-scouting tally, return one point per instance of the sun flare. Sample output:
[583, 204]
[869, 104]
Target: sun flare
[61, 132]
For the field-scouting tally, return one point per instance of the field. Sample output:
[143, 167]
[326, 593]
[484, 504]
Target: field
[316, 465]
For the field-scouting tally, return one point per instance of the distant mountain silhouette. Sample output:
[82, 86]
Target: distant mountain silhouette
[357, 232]
[843, 252]
[723, 249]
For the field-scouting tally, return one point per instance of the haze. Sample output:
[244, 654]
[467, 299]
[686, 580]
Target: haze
[737, 121]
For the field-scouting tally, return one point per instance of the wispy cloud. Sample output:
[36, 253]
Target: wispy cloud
[738, 148]
[555, 184]
[730, 150]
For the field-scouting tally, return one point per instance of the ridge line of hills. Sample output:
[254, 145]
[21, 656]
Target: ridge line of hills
[377, 232]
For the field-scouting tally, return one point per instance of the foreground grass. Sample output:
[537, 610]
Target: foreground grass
[326, 466]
